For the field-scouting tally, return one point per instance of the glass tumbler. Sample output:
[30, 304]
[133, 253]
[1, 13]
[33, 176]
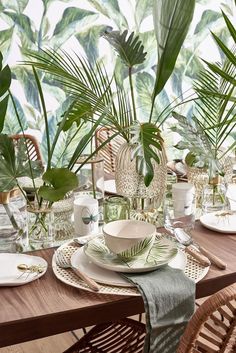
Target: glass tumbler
[116, 208]
[179, 213]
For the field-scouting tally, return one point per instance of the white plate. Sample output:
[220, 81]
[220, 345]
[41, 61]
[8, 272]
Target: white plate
[110, 186]
[101, 275]
[160, 254]
[222, 221]
[193, 270]
[11, 276]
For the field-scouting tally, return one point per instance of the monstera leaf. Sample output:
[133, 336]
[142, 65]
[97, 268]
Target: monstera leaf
[147, 141]
[58, 182]
[15, 163]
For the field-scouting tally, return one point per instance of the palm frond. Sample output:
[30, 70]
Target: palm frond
[129, 48]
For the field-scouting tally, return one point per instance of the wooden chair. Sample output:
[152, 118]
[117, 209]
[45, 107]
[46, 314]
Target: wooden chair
[212, 329]
[32, 145]
[109, 151]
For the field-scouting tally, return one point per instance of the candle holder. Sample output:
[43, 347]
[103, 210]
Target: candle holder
[116, 208]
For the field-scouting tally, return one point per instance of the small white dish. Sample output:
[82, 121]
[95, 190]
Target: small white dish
[101, 275]
[159, 255]
[110, 186]
[221, 221]
[10, 275]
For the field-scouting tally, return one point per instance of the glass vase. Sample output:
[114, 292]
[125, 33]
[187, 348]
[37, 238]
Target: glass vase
[144, 201]
[214, 198]
[12, 226]
[63, 219]
[40, 227]
[199, 177]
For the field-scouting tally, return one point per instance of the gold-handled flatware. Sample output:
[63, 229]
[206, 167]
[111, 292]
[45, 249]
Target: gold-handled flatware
[64, 262]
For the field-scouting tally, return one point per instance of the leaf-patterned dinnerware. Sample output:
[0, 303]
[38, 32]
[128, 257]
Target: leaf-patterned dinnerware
[160, 253]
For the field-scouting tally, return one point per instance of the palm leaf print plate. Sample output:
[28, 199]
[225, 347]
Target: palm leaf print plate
[162, 251]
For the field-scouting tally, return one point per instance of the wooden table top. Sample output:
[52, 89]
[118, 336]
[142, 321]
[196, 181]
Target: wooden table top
[47, 306]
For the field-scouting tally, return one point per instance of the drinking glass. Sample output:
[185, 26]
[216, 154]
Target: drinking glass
[116, 208]
[179, 212]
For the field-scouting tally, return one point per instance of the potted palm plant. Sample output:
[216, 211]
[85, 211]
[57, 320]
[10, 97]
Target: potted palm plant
[93, 91]
[206, 134]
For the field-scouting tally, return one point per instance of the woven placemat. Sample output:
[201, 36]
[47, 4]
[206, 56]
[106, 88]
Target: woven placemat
[193, 270]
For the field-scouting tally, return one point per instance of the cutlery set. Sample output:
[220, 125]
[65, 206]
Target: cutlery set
[202, 255]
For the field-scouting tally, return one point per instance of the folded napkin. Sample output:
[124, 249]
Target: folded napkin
[168, 297]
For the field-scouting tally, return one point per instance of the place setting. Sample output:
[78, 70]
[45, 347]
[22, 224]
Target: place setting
[123, 247]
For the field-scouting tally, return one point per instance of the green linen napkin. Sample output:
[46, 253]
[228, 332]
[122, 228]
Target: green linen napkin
[168, 297]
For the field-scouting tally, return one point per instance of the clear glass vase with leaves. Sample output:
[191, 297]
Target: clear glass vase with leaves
[56, 182]
[208, 135]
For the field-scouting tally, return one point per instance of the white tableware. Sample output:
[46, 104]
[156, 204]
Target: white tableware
[86, 216]
[101, 275]
[10, 275]
[183, 199]
[192, 270]
[160, 254]
[221, 221]
[110, 186]
[128, 237]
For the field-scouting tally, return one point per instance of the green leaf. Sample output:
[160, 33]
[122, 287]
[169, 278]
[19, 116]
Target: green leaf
[89, 41]
[25, 76]
[59, 182]
[23, 22]
[83, 111]
[70, 19]
[15, 163]
[16, 5]
[209, 17]
[171, 22]
[147, 141]
[5, 80]
[143, 9]
[111, 9]
[6, 40]
[230, 26]
[11, 125]
[3, 109]
[129, 48]
[144, 87]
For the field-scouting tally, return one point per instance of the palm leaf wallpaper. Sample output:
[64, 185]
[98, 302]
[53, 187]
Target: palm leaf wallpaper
[82, 28]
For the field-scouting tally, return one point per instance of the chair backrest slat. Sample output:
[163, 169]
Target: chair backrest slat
[212, 329]
[31, 144]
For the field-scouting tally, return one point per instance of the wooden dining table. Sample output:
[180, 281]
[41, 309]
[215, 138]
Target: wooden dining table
[47, 306]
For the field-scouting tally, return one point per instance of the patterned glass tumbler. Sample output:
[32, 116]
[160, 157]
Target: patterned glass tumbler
[116, 208]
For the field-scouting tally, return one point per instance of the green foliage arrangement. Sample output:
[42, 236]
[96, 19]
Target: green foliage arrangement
[16, 163]
[94, 92]
[205, 134]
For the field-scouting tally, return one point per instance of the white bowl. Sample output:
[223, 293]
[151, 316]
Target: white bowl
[128, 238]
